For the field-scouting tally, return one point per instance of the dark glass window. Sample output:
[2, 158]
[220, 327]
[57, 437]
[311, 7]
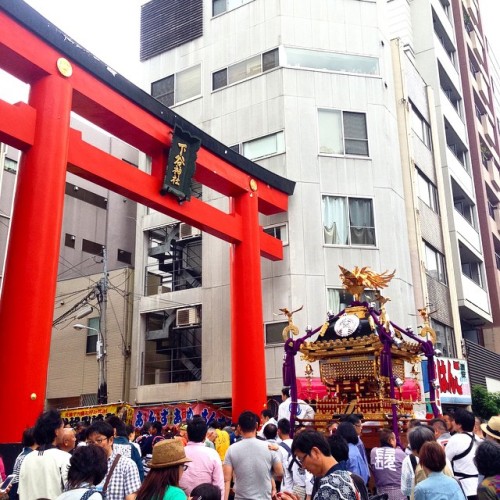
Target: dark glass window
[124, 256]
[219, 79]
[69, 240]
[163, 90]
[92, 247]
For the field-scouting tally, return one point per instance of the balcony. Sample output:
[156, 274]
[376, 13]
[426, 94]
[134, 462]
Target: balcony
[471, 8]
[494, 173]
[482, 86]
[474, 298]
[452, 115]
[447, 62]
[467, 233]
[489, 131]
[459, 171]
[477, 46]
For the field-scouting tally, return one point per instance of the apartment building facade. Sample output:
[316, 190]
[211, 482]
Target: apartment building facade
[307, 91]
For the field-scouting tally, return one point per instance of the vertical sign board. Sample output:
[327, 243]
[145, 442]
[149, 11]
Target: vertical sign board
[453, 378]
[181, 164]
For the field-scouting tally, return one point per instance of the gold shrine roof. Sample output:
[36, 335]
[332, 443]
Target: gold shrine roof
[367, 344]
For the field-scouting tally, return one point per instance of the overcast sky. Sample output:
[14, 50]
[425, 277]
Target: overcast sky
[110, 29]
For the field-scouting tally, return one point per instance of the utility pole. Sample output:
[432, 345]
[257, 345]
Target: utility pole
[102, 286]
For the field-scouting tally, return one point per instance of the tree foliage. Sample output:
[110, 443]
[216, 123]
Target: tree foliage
[485, 404]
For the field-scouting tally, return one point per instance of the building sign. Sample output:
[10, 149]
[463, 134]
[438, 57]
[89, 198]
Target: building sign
[99, 412]
[174, 414]
[453, 378]
[181, 164]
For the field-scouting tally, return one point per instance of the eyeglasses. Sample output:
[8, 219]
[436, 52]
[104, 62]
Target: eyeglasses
[301, 460]
[97, 441]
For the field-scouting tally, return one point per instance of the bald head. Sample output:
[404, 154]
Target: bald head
[67, 439]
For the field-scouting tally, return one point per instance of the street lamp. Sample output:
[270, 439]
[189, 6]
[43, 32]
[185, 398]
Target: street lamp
[102, 389]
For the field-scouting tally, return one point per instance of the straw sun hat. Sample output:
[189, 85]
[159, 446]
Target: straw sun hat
[168, 453]
[492, 428]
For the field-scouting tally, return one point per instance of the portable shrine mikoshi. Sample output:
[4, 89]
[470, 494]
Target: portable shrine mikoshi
[362, 356]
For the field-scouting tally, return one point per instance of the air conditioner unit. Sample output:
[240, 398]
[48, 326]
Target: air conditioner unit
[164, 289]
[187, 316]
[186, 231]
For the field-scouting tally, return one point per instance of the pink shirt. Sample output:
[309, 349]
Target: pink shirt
[205, 467]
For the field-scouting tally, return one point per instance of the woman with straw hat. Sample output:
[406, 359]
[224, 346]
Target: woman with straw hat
[167, 465]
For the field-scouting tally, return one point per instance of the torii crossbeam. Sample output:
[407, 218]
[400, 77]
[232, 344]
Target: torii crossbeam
[36, 52]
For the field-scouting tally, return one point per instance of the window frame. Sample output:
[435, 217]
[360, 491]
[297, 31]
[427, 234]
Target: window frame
[226, 9]
[327, 57]
[248, 75]
[439, 261]
[423, 131]
[280, 145]
[432, 200]
[348, 220]
[342, 134]
[175, 92]
[279, 342]
[365, 297]
[283, 234]
[92, 335]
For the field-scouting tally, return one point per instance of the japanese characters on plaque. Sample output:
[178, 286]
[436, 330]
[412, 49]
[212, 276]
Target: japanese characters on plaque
[181, 164]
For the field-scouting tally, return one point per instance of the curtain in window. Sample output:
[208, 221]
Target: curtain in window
[361, 222]
[335, 220]
[333, 300]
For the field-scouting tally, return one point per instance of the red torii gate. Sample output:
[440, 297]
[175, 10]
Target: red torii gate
[64, 78]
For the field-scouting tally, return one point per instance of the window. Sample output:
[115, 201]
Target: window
[124, 256]
[264, 146]
[245, 69]
[69, 240]
[221, 6]
[92, 335]
[279, 231]
[472, 270]
[466, 209]
[178, 87]
[348, 221]
[427, 192]
[445, 339]
[92, 247]
[435, 265]
[337, 299]
[421, 127]
[172, 347]
[86, 196]
[342, 132]
[330, 61]
[10, 165]
[274, 332]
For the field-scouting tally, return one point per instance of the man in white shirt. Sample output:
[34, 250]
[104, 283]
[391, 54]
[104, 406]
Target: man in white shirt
[304, 411]
[267, 418]
[44, 472]
[461, 450]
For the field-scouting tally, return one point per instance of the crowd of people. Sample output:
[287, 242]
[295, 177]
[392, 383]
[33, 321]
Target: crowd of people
[454, 457]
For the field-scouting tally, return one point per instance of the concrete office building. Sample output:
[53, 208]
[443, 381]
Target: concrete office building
[306, 89]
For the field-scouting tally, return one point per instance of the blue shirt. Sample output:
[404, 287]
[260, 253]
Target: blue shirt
[439, 486]
[356, 463]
